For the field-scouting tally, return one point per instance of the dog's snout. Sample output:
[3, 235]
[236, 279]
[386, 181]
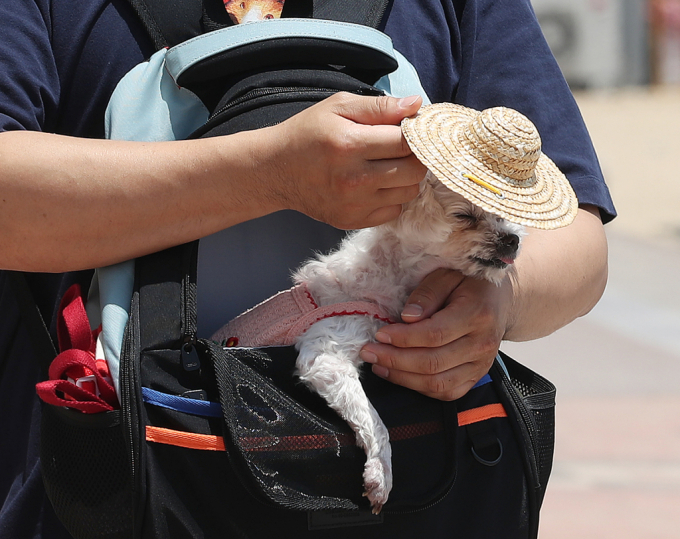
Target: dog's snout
[510, 242]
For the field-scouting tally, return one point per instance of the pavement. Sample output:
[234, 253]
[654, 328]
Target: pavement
[617, 370]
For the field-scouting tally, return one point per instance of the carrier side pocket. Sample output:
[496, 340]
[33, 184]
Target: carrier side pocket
[86, 472]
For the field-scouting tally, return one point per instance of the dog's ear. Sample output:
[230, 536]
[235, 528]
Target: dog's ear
[424, 218]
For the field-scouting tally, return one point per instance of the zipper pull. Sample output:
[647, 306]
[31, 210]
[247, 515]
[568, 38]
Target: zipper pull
[190, 360]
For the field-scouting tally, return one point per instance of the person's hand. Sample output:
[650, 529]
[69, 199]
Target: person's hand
[345, 162]
[454, 326]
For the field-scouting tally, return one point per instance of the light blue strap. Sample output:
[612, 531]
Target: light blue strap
[115, 291]
[502, 364]
[403, 82]
[148, 106]
[182, 404]
[184, 55]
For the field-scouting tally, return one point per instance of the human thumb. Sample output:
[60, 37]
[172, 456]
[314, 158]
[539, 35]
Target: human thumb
[381, 110]
[430, 295]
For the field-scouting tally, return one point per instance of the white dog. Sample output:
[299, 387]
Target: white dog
[342, 299]
[373, 272]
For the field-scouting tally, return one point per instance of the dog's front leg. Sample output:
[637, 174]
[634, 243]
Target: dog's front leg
[328, 363]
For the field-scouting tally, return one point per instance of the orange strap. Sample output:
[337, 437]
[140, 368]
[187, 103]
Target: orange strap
[207, 442]
[189, 440]
[481, 414]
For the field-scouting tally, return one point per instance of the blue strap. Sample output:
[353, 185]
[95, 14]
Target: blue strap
[211, 409]
[482, 381]
[182, 404]
[486, 378]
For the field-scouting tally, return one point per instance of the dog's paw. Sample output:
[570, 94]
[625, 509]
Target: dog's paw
[377, 482]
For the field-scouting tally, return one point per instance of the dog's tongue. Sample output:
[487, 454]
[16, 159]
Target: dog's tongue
[507, 260]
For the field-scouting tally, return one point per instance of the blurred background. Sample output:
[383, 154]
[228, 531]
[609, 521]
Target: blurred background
[617, 370]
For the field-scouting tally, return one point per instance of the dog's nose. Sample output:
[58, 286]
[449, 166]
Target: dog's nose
[510, 242]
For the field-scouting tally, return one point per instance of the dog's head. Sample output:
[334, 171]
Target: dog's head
[475, 242]
[242, 11]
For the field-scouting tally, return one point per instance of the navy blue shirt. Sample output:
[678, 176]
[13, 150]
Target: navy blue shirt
[61, 59]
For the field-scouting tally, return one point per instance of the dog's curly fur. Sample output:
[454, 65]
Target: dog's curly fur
[384, 264]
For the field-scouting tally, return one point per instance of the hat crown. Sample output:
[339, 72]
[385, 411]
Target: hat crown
[505, 141]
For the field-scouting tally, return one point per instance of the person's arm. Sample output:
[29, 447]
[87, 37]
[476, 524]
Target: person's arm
[455, 324]
[70, 203]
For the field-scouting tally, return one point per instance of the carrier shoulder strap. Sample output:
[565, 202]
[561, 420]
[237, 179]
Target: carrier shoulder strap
[41, 340]
[169, 22]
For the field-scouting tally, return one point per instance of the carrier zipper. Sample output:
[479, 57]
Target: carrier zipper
[190, 359]
[313, 92]
[130, 414]
[126, 404]
[264, 92]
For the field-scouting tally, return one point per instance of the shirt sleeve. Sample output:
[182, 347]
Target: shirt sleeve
[29, 82]
[505, 60]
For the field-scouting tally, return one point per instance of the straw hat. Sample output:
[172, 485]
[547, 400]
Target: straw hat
[493, 158]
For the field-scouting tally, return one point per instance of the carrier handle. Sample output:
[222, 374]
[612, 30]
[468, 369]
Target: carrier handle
[238, 48]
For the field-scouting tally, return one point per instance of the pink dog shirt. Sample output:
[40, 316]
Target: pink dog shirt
[280, 319]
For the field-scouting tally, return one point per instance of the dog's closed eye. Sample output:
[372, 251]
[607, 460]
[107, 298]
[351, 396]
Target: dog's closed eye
[467, 218]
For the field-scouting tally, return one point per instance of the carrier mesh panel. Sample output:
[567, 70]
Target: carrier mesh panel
[87, 473]
[281, 450]
[289, 447]
[538, 395]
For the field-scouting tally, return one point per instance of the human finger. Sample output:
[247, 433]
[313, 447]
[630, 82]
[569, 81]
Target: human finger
[390, 204]
[405, 171]
[379, 110]
[449, 384]
[473, 305]
[381, 206]
[429, 296]
[374, 130]
[469, 328]
[443, 327]
[378, 142]
[427, 361]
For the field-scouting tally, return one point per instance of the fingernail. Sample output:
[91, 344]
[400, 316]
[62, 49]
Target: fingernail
[406, 102]
[412, 310]
[368, 357]
[381, 371]
[383, 338]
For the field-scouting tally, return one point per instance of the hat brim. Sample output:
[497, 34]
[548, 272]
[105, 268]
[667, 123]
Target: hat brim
[546, 202]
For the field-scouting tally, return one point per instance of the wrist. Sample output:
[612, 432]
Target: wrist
[267, 163]
[244, 176]
[509, 290]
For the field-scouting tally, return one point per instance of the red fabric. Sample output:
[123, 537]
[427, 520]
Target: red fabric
[76, 379]
[73, 326]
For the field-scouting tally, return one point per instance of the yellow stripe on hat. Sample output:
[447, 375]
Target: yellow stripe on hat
[484, 184]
